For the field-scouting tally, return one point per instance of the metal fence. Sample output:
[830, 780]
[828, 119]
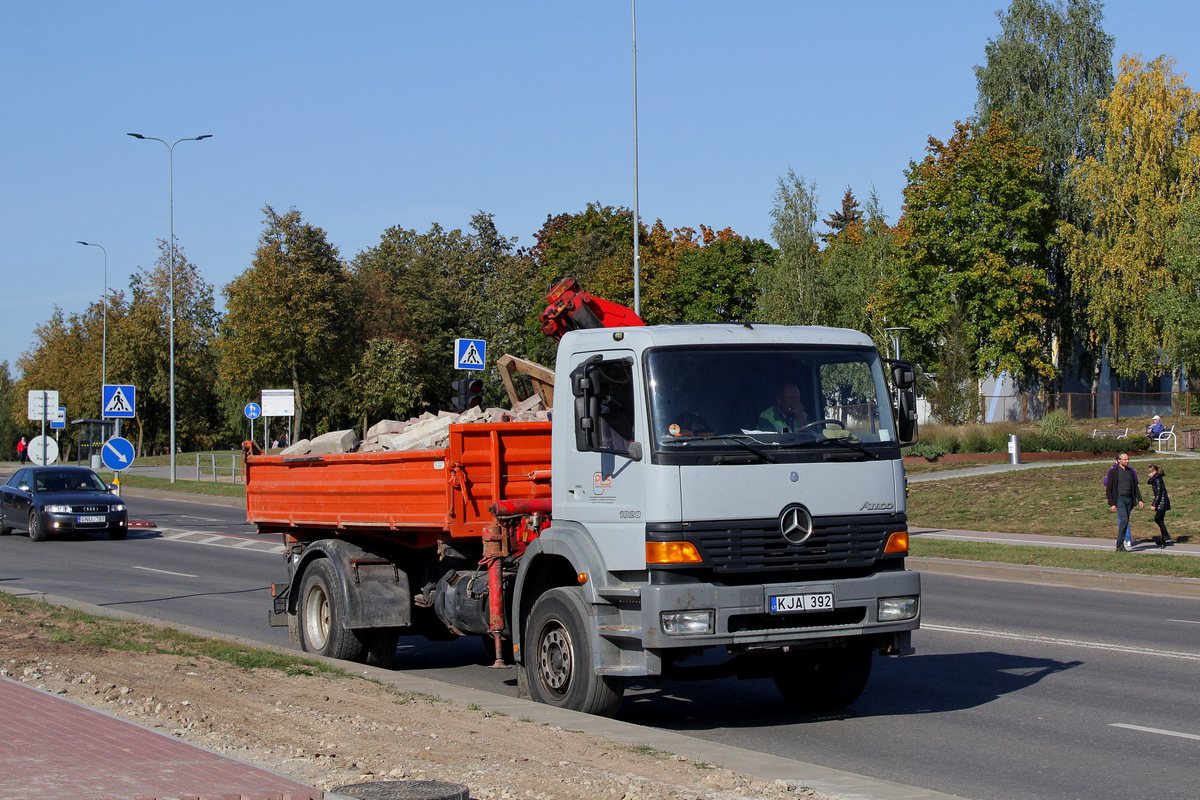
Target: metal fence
[219, 467]
[1113, 405]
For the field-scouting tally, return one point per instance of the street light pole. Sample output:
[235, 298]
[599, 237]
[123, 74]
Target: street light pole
[104, 340]
[171, 180]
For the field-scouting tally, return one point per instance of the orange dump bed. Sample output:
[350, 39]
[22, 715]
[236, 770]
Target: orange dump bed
[417, 494]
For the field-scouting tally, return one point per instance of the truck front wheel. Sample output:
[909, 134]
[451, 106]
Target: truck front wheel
[558, 657]
[320, 612]
[824, 680]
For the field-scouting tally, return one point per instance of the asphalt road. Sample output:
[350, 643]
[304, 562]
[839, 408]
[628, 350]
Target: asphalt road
[1016, 691]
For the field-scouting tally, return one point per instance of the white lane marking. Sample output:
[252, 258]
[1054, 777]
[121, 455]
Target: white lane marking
[1028, 637]
[1186, 621]
[205, 538]
[1159, 731]
[167, 572]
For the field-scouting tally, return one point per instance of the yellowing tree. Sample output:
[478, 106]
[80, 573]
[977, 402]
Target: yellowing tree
[1148, 167]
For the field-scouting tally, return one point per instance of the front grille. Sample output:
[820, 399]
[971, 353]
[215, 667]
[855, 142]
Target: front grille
[736, 547]
[89, 509]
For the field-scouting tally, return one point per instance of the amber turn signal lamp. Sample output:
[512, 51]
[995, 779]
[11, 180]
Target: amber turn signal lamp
[897, 543]
[581, 578]
[672, 553]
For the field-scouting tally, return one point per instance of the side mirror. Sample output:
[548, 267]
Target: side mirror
[907, 415]
[587, 405]
[904, 378]
[902, 375]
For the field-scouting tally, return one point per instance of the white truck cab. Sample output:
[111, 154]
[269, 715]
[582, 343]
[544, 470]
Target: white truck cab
[693, 516]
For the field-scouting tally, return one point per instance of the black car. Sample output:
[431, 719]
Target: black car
[46, 500]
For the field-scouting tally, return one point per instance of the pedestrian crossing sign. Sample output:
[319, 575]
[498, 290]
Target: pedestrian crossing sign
[119, 401]
[470, 353]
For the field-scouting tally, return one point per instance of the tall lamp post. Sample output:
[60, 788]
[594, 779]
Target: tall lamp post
[171, 179]
[104, 340]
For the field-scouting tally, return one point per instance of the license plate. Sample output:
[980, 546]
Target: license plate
[86, 520]
[786, 603]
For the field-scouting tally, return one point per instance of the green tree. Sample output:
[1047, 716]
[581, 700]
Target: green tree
[856, 264]
[64, 357]
[791, 292]
[380, 384]
[1135, 190]
[849, 214]
[140, 352]
[973, 254]
[290, 321]
[718, 280]
[1177, 305]
[428, 289]
[9, 403]
[1044, 76]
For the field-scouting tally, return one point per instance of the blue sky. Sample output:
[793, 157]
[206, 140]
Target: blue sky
[366, 115]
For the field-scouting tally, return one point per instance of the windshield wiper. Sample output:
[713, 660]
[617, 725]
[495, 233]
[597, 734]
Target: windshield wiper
[738, 439]
[853, 445]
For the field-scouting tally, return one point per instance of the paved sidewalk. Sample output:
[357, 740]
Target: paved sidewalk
[52, 748]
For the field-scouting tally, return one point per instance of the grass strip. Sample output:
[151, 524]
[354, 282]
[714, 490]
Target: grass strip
[1098, 561]
[206, 488]
[1055, 501]
[74, 627]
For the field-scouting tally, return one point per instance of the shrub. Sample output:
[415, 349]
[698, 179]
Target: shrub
[1056, 423]
[929, 449]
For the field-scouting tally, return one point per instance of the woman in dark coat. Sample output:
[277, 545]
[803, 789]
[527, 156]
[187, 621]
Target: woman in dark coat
[1161, 503]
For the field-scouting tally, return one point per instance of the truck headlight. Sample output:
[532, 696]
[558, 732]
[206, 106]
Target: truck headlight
[892, 609]
[677, 623]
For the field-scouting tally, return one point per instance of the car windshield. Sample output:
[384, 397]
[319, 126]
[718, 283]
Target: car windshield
[68, 481]
[768, 399]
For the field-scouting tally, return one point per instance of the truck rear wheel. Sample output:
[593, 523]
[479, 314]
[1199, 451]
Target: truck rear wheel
[824, 680]
[379, 645]
[320, 611]
[558, 657]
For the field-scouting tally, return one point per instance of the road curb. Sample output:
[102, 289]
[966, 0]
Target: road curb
[1058, 576]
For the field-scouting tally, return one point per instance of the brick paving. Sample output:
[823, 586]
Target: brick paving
[52, 748]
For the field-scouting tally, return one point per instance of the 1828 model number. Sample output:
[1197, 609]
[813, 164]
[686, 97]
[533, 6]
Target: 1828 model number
[630, 515]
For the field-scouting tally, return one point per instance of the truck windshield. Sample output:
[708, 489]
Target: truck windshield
[766, 401]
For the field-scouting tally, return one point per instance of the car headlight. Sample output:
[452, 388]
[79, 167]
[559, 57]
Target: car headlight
[685, 622]
[117, 507]
[57, 509]
[892, 609]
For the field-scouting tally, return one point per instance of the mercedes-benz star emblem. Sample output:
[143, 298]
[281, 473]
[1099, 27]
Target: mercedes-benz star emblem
[796, 524]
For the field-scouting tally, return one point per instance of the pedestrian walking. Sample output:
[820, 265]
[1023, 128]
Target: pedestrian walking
[1161, 504]
[1121, 490]
[22, 454]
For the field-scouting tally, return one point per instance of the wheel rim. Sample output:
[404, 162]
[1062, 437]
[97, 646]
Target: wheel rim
[35, 525]
[316, 617]
[555, 659]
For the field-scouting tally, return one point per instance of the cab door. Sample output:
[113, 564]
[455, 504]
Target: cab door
[605, 470]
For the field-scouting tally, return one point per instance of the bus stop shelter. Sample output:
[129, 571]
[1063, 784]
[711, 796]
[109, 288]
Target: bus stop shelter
[92, 438]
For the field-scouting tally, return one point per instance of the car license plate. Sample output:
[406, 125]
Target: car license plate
[86, 520]
[786, 603]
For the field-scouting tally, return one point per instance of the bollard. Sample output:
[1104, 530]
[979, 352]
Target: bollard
[1014, 449]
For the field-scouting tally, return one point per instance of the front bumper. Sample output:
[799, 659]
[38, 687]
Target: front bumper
[63, 522]
[741, 616]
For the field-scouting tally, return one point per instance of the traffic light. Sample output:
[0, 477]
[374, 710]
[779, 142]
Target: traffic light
[468, 393]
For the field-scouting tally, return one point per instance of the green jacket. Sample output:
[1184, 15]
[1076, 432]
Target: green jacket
[773, 419]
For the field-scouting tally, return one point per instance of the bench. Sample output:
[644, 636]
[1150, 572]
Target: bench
[1117, 433]
[1168, 435]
